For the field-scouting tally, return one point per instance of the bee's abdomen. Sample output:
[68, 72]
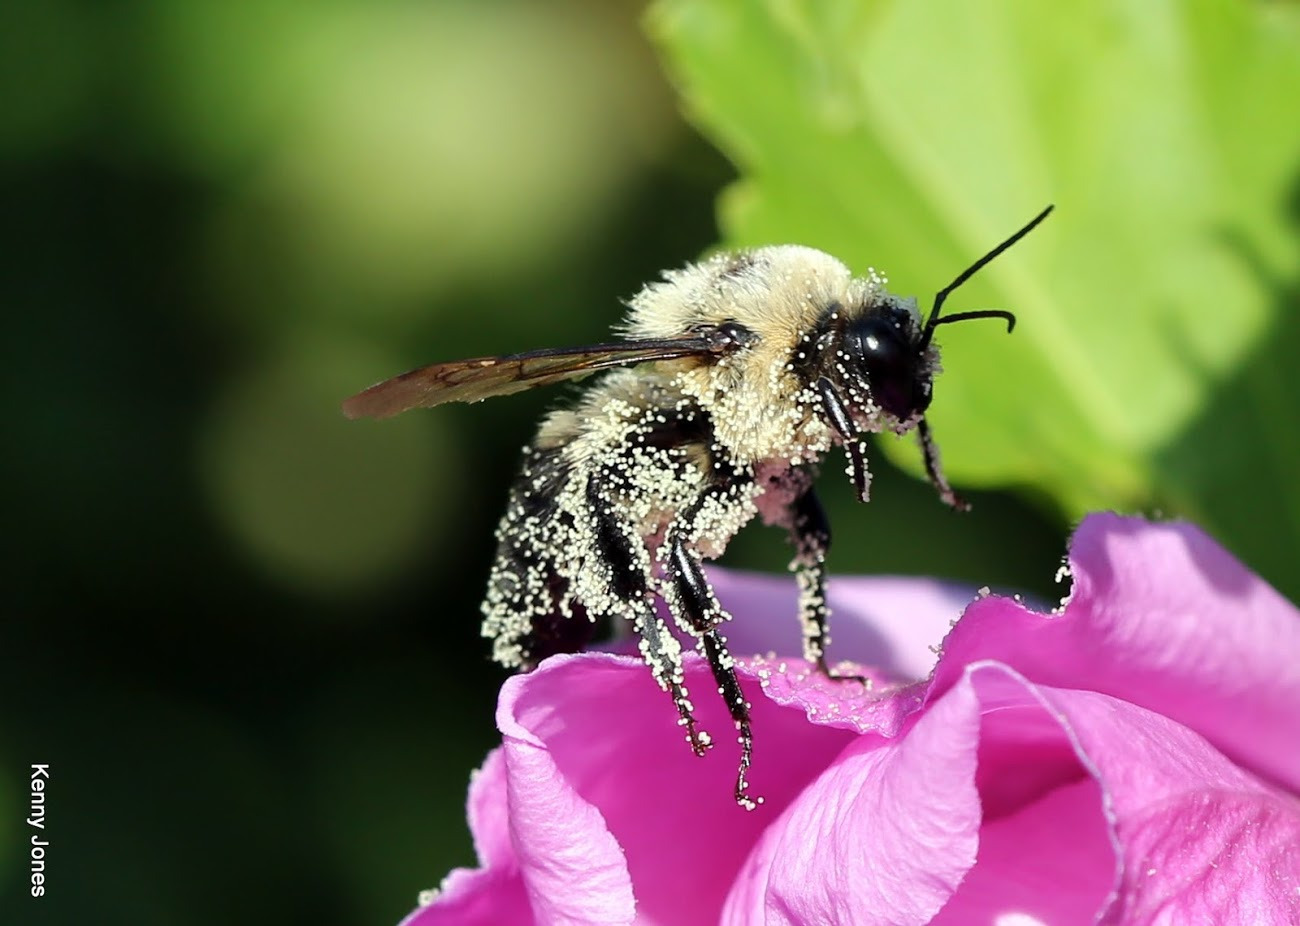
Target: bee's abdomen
[528, 611]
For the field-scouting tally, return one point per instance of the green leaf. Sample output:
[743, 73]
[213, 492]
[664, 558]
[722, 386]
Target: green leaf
[913, 136]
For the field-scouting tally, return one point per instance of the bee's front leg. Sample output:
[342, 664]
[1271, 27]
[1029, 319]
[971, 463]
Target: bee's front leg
[838, 415]
[930, 452]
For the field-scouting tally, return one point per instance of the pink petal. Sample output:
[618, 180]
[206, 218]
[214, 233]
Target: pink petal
[607, 766]
[489, 823]
[494, 893]
[483, 897]
[1204, 841]
[1213, 858]
[571, 865]
[882, 707]
[1047, 850]
[884, 835]
[1079, 804]
[1048, 861]
[1147, 812]
[1161, 616]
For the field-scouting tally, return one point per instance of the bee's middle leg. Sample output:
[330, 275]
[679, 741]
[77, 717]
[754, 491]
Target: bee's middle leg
[811, 531]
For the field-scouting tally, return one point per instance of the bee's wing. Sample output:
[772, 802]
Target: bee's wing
[484, 377]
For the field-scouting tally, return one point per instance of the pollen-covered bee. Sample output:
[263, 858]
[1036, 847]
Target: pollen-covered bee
[736, 376]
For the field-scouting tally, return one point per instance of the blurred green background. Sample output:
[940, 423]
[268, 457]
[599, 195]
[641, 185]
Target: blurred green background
[244, 632]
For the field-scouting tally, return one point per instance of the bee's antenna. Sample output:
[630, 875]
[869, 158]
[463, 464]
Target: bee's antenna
[934, 320]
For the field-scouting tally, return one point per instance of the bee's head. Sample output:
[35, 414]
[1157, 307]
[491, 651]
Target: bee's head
[872, 365]
[881, 357]
[877, 357]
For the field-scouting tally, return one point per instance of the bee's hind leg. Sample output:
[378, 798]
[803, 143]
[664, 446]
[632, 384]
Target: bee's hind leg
[662, 652]
[810, 531]
[693, 600]
[659, 648]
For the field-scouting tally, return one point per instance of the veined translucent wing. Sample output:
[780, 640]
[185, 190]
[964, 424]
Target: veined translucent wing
[484, 377]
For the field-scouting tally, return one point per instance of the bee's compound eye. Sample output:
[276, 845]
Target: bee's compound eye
[890, 365]
[881, 348]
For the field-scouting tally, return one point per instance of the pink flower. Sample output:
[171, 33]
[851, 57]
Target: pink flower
[1132, 759]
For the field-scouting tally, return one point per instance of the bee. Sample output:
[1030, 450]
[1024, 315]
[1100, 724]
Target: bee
[733, 378]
